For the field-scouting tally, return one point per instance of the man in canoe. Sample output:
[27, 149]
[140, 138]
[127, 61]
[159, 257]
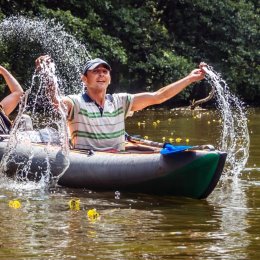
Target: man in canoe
[9, 103]
[96, 120]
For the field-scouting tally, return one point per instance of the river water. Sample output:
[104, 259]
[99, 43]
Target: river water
[54, 223]
[138, 226]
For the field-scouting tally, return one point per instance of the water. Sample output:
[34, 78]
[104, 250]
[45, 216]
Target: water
[137, 226]
[233, 222]
[235, 137]
[47, 37]
[55, 132]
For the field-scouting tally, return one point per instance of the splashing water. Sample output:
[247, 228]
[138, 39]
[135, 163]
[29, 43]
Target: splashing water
[235, 137]
[21, 162]
[231, 195]
[48, 37]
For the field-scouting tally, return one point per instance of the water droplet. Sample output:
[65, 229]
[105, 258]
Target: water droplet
[117, 195]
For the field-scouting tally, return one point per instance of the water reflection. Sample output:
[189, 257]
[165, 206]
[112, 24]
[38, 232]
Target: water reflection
[231, 197]
[136, 226]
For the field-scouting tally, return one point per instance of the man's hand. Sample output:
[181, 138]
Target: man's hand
[45, 59]
[198, 74]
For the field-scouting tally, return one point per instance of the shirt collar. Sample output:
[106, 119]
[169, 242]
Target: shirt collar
[88, 99]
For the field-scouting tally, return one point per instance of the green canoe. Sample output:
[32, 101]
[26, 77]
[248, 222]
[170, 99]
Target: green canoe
[190, 173]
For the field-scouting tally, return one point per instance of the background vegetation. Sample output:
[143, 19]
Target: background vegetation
[151, 43]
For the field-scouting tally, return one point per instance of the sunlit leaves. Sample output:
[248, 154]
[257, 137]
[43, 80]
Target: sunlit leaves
[151, 43]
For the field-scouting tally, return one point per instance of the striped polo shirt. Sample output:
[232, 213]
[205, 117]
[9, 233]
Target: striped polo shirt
[99, 129]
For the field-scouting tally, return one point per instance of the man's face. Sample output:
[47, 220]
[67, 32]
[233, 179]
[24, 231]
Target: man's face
[98, 78]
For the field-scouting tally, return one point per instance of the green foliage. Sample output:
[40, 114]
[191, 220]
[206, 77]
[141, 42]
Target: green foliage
[224, 33]
[152, 43]
[89, 31]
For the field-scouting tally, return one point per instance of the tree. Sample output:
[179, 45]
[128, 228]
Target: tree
[151, 43]
[223, 33]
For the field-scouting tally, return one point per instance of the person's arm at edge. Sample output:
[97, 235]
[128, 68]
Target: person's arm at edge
[10, 102]
[68, 104]
[143, 100]
[52, 88]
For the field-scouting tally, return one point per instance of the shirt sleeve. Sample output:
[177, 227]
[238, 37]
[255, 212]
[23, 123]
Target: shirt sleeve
[126, 101]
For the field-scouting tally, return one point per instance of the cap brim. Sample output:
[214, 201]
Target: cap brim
[97, 64]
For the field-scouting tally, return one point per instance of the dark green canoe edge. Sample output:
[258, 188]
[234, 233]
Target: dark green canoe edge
[216, 177]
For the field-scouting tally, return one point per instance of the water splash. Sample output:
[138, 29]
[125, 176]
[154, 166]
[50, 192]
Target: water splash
[235, 136]
[19, 160]
[47, 37]
[43, 37]
[230, 195]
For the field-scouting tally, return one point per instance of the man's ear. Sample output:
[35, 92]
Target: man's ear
[84, 78]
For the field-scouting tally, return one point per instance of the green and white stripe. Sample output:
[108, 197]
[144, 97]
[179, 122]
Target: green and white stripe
[89, 129]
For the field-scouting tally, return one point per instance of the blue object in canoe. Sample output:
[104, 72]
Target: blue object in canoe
[169, 149]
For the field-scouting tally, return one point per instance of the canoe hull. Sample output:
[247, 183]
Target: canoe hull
[192, 174]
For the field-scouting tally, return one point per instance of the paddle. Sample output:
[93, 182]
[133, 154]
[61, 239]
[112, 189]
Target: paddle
[167, 148]
[139, 140]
